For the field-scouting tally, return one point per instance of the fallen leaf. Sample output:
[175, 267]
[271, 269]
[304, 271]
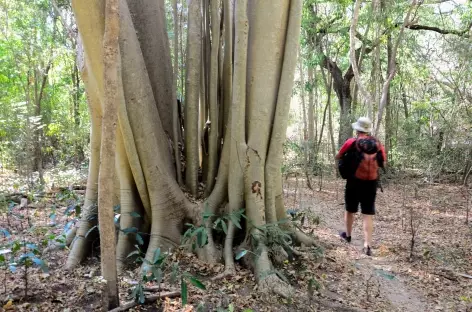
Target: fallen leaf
[9, 306]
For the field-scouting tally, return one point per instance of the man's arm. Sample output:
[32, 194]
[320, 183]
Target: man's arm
[384, 154]
[345, 148]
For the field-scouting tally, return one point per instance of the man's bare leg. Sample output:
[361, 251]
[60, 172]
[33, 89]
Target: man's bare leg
[368, 227]
[349, 220]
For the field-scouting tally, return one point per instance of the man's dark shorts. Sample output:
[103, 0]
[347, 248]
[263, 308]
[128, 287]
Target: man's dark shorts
[360, 192]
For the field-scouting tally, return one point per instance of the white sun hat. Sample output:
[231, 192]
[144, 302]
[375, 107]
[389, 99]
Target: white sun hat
[363, 124]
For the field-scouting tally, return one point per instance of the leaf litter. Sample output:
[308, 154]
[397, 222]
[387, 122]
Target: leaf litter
[334, 276]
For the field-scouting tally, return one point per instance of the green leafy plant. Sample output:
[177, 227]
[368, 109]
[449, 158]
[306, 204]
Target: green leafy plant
[156, 269]
[197, 236]
[17, 253]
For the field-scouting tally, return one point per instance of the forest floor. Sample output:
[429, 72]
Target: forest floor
[335, 276]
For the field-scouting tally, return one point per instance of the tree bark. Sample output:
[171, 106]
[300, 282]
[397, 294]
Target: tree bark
[106, 177]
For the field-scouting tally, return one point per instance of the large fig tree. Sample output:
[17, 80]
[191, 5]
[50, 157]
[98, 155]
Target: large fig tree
[247, 51]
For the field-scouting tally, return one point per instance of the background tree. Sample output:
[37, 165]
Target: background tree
[43, 111]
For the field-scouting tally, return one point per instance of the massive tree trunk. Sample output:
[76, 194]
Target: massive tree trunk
[265, 52]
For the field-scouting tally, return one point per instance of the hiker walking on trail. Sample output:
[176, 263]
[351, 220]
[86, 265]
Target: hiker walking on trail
[359, 161]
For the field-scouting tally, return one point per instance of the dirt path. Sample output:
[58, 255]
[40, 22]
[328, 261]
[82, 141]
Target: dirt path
[370, 283]
[378, 269]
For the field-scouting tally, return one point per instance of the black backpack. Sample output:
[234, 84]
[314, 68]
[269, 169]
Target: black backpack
[351, 159]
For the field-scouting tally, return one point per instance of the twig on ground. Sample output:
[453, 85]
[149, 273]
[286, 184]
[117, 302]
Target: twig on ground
[337, 307]
[149, 299]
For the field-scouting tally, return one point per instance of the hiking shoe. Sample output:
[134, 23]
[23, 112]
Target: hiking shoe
[368, 251]
[345, 237]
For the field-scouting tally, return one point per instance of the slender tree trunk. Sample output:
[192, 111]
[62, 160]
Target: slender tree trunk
[79, 243]
[175, 106]
[76, 109]
[328, 103]
[345, 117]
[329, 90]
[404, 101]
[352, 56]
[39, 132]
[228, 60]
[311, 117]
[182, 53]
[376, 62]
[392, 67]
[315, 113]
[304, 139]
[107, 166]
[213, 136]
[302, 96]
[38, 155]
[194, 57]
[273, 175]
[238, 112]
[388, 104]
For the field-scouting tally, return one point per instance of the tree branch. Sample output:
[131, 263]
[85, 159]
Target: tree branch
[148, 299]
[460, 33]
[393, 69]
[352, 54]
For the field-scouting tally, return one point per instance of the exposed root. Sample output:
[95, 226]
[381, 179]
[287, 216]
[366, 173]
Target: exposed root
[279, 255]
[295, 252]
[123, 249]
[272, 283]
[228, 272]
[268, 281]
[161, 242]
[228, 248]
[80, 243]
[213, 255]
[210, 253]
[71, 235]
[302, 239]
